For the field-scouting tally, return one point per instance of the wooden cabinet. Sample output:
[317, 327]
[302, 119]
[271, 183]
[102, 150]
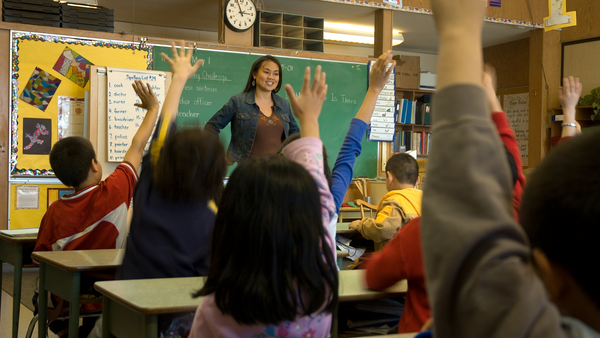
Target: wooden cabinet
[421, 132]
[289, 31]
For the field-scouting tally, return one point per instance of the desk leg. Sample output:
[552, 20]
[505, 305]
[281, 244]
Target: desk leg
[1, 273]
[17, 289]
[105, 318]
[42, 302]
[74, 306]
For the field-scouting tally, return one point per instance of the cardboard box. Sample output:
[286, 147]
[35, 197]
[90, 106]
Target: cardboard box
[408, 71]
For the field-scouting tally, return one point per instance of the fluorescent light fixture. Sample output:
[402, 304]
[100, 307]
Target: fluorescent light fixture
[80, 3]
[355, 34]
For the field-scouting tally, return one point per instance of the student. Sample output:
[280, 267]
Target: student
[272, 267]
[401, 204]
[173, 214]
[402, 257]
[341, 176]
[95, 216]
[480, 271]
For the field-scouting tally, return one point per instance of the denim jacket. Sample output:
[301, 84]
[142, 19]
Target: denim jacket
[243, 112]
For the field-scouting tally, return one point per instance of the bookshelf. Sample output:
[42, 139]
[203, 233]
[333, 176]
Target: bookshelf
[421, 132]
[582, 115]
[289, 31]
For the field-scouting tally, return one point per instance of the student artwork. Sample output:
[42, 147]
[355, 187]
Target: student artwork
[40, 89]
[74, 67]
[559, 17]
[37, 137]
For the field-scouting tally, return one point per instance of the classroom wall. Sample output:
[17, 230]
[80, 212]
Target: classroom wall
[510, 9]
[511, 61]
[588, 25]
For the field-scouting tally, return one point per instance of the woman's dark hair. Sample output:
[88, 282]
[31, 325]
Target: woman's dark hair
[326, 169]
[257, 65]
[191, 166]
[270, 258]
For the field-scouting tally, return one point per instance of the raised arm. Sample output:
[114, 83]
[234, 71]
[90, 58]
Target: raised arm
[341, 175]
[569, 94]
[476, 258]
[149, 102]
[308, 150]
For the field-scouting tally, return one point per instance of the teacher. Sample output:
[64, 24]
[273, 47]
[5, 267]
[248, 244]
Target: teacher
[260, 119]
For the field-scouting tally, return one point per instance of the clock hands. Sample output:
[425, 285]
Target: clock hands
[240, 6]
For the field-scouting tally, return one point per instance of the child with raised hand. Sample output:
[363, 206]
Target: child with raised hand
[480, 271]
[287, 284]
[173, 214]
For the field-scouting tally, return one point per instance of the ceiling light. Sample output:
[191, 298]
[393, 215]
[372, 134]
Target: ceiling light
[355, 34]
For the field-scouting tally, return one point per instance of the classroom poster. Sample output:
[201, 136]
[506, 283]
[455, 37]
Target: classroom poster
[36, 84]
[516, 107]
[41, 194]
[70, 116]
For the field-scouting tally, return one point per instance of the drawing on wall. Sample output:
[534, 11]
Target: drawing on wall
[74, 67]
[37, 136]
[40, 89]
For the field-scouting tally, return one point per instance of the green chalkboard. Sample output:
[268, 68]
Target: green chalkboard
[224, 74]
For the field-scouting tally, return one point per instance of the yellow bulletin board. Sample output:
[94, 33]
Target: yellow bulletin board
[25, 214]
[45, 68]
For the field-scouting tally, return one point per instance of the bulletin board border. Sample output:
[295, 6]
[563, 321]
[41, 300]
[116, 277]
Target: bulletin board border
[16, 37]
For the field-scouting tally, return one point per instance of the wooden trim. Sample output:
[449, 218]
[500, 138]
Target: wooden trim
[5, 97]
[384, 26]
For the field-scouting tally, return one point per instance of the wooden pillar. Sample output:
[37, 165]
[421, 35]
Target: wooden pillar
[544, 56]
[384, 26]
[5, 56]
[229, 37]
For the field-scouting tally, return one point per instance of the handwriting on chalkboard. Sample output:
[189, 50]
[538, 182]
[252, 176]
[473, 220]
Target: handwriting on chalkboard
[516, 107]
[123, 118]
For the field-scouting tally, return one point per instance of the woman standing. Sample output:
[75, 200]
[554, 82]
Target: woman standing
[260, 119]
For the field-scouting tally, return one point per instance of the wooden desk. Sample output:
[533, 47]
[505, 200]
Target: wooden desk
[12, 251]
[60, 274]
[348, 213]
[131, 308]
[342, 228]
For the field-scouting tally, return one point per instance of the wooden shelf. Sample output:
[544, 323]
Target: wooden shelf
[289, 31]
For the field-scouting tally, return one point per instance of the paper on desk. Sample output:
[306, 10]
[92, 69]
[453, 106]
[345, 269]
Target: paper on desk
[343, 244]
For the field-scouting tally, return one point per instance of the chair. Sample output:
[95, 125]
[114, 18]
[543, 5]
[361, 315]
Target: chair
[62, 312]
[362, 205]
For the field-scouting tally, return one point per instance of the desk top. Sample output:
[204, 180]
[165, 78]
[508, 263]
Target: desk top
[174, 295]
[352, 287]
[342, 228]
[155, 296]
[19, 238]
[82, 260]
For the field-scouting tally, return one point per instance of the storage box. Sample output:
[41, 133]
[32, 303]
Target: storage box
[428, 80]
[408, 71]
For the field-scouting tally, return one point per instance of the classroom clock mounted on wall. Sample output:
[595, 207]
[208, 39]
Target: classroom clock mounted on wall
[240, 15]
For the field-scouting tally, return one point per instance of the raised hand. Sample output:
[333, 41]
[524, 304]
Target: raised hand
[380, 72]
[149, 99]
[181, 61]
[307, 107]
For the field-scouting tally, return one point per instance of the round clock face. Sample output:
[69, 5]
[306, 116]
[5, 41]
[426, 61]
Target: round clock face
[240, 14]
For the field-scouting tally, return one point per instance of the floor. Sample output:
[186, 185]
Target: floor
[6, 319]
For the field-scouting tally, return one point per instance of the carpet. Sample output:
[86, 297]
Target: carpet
[30, 276]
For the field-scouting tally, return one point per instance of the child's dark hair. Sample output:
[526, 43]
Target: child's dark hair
[270, 258]
[560, 209]
[71, 158]
[257, 65]
[404, 168]
[191, 166]
[296, 136]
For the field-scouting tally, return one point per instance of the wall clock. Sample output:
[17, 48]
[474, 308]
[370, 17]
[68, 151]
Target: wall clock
[240, 15]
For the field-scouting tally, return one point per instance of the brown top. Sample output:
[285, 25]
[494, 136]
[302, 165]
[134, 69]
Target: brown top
[155, 296]
[353, 287]
[269, 136]
[82, 260]
[174, 295]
